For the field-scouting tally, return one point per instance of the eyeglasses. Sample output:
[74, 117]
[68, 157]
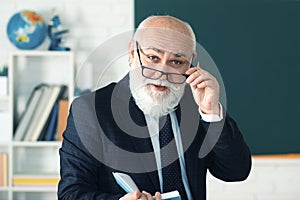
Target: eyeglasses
[155, 74]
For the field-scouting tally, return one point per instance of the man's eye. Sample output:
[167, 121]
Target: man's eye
[176, 62]
[154, 58]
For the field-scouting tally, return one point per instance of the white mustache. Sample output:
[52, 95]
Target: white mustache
[164, 83]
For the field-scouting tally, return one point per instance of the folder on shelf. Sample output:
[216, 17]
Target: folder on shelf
[63, 111]
[3, 169]
[30, 112]
[52, 128]
[45, 106]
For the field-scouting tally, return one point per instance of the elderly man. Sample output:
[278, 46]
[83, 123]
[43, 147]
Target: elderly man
[137, 126]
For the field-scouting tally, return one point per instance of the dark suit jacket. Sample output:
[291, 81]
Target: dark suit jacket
[88, 155]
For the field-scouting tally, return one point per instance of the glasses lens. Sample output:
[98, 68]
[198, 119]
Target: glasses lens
[151, 73]
[176, 78]
[155, 74]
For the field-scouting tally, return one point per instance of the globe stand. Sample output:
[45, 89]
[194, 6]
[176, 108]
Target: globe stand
[55, 33]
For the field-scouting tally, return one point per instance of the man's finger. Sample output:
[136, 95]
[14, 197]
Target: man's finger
[157, 196]
[137, 194]
[148, 195]
[194, 69]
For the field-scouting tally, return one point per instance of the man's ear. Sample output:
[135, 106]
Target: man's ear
[130, 52]
[194, 56]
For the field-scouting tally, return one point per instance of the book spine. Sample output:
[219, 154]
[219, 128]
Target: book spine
[63, 112]
[54, 93]
[52, 128]
[3, 169]
[37, 115]
[35, 181]
[28, 114]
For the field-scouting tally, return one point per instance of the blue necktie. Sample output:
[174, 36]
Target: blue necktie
[171, 173]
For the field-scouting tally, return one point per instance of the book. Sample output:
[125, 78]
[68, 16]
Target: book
[29, 112]
[129, 185]
[38, 112]
[63, 111]
[49, 136]
[44, 109]
[33, 180]
[3, 169]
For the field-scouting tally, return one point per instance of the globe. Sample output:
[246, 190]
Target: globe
[26, 30]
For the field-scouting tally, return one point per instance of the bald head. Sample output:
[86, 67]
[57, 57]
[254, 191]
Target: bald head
[167, 33]
[168, 22]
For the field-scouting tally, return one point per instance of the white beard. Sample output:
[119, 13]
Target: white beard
[154, 103]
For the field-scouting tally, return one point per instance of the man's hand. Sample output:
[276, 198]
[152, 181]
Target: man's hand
[205, 88]
[137, 195]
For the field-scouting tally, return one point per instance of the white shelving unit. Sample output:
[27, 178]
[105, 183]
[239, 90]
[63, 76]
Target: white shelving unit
[4, 120]
[26, 70]
[4, 135]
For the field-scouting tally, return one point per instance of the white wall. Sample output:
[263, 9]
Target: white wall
[91, 22]
[270, 179]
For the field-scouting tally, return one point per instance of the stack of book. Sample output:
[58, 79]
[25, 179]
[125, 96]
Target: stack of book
[43, 114]
[3, 169]
[34, 180]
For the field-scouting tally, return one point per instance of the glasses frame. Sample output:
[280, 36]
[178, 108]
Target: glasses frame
[155, 70]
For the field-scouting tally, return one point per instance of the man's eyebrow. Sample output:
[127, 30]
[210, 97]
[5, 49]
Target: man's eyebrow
[180, 55]
[156, 49]
[162, 51]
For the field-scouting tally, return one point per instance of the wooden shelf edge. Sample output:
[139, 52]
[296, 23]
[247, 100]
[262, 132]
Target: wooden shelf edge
[4, 188]
[34, 188]
[37, 144]
[277, 156]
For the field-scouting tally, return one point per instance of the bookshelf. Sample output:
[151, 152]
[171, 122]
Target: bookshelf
[4, 119]
[4, 140]
[31, 160]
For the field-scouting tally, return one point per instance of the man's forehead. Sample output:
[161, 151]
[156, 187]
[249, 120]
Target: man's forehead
[163, 51]
[166, 40]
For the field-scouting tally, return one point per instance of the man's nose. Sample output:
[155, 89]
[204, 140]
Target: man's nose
[163, 77]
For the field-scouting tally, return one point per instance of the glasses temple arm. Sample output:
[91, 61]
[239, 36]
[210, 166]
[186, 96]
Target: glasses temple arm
[138, 52]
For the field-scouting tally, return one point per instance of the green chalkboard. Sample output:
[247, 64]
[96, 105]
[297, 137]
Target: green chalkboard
[256, 46]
